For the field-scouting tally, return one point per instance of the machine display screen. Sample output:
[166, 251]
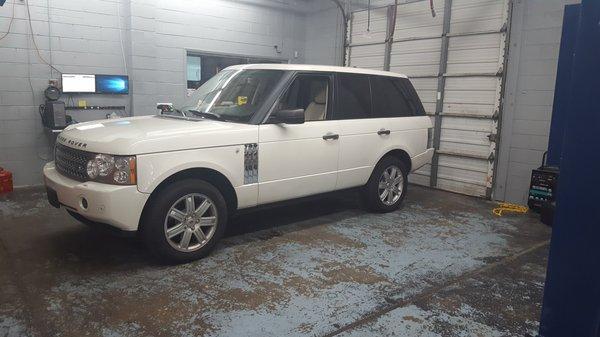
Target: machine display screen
[112, 84]
[78, 83]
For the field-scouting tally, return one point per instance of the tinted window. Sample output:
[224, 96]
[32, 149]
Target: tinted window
[354, 97]
[309, 93]
[412, 97]
[389, 98]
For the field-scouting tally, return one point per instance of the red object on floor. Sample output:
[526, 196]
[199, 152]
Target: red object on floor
[6, 182]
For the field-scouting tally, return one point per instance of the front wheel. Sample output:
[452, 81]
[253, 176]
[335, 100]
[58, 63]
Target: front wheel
[185, 221]
[387, 185]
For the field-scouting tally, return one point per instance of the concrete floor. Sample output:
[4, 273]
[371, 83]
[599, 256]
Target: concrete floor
[443, 265]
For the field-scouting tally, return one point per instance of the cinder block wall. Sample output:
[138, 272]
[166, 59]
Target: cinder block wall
[533, 60]
[79, 36]
[324, 33]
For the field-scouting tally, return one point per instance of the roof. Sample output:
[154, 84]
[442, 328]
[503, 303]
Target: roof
[310, 67]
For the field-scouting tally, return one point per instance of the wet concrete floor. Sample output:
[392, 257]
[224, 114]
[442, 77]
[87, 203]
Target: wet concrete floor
[442, 265]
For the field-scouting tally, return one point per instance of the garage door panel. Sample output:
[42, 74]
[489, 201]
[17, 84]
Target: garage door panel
[463, 175]
[370, 57]
[414, 20]
[470, 16]
[365, 32]
[472, 165]
[472, 27]
[484, 110]
[468, 137]
[467, 124]
[473, 177]
[469, 97]
[424, 83]
[473, 83]
[417, 46]
[474, 54]
[416, 58]
[458, 186]
[460, 146]
[406, 61]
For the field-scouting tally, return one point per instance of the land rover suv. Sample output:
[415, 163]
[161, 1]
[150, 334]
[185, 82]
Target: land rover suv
[251, 135]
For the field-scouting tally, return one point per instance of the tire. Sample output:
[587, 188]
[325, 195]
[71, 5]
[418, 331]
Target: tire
[372, 193]
[175, 238]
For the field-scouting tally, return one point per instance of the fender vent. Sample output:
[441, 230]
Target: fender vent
[250, 163]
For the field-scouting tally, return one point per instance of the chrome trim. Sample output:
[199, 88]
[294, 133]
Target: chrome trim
[250, 163]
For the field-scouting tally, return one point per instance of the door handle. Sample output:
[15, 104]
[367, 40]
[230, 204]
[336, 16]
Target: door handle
[330, 135]
[383, 132]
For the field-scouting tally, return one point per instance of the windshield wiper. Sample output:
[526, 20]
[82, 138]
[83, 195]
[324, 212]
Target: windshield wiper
[208, 115]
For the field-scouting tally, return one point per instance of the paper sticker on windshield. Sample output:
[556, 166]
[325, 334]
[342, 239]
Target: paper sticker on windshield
[242, 100]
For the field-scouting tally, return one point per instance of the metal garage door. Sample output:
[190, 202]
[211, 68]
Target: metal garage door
[455, 60]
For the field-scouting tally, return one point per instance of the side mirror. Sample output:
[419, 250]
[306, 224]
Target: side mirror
[291, 116]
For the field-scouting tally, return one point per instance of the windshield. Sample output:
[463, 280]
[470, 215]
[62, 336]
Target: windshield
[231, 95]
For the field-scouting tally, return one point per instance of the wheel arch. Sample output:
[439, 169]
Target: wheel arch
[402, 155]
[218, 179]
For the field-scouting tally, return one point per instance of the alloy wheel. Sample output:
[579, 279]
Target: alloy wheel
[391, 184]
[191, 222]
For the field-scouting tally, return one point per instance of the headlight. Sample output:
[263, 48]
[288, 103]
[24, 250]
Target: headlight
[119, 170]
[105, 163]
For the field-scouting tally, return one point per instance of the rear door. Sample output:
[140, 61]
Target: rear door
[359, 141]
[377, 114]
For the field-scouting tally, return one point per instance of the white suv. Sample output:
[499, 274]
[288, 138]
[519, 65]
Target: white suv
[251, 135]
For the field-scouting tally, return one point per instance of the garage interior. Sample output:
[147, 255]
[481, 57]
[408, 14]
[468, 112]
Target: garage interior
[489, 75]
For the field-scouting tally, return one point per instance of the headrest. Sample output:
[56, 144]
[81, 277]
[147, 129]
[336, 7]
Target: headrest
[321, 97]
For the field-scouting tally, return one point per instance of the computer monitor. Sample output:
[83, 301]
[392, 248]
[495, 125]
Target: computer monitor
[112, 84]
[78, 83]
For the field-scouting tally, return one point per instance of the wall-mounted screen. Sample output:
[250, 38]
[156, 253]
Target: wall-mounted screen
[78, 83]
[112, 84]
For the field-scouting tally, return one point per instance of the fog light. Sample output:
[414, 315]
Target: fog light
[84, 203]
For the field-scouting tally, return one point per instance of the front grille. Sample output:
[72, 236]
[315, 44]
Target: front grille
[72, 162]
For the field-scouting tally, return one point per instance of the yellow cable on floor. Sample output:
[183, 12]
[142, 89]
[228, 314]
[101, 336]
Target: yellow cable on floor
[508, 207]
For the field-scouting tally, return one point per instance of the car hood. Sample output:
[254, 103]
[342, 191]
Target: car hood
[150, 134]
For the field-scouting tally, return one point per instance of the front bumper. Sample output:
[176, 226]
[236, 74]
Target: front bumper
[118, 206]
[422, 159]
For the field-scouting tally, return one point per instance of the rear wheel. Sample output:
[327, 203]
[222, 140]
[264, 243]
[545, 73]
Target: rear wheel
[386, 188]
[185, 221]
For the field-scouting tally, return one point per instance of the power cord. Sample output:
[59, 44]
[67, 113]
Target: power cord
[35, 43]
[11, 20]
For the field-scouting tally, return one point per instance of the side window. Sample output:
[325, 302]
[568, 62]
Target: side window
[390, 98]
[354, 97]
[412, 96]
[310, 93]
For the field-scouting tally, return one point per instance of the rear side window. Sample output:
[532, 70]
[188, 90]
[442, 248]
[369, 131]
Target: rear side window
[354, 97]
[390, 98]
[412, 97]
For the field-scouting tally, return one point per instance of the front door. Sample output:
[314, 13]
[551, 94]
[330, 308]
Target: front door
[297, 160]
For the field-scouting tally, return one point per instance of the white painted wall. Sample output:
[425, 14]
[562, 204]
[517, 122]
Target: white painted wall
[324, 31]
